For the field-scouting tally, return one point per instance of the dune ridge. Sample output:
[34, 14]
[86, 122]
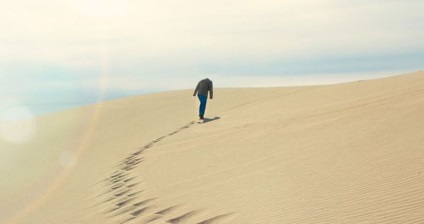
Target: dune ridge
[345, 153]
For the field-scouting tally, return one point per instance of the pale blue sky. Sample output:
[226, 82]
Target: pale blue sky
[57, 54]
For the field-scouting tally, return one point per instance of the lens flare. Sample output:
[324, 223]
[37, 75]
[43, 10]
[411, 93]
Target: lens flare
[68, 159]
[17, 123]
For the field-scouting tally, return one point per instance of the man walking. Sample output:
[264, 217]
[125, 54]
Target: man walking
[204, 87]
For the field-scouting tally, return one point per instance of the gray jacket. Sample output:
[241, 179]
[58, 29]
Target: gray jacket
[203, 87]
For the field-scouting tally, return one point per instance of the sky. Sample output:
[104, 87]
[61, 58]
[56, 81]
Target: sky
[57, 54]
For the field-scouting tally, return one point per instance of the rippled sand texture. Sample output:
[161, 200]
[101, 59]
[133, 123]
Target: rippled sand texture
[346, 153]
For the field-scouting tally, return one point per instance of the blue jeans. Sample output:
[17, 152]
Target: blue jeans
[202, 107]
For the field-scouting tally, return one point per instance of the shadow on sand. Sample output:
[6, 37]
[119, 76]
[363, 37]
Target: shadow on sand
[206, 120]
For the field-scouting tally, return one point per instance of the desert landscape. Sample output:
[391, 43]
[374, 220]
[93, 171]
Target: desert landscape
[343, 153]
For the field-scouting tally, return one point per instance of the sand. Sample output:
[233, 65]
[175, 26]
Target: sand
[345, 153]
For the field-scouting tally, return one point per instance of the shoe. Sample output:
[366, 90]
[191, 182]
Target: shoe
[201, 117]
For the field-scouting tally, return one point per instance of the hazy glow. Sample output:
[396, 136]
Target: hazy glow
[101, 8]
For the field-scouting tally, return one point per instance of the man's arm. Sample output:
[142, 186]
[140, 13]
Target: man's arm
[211, 90]
[197, 88]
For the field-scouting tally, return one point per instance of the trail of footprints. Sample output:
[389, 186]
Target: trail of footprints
[125, 203]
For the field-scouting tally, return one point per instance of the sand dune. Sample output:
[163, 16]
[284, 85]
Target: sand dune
[345, 153]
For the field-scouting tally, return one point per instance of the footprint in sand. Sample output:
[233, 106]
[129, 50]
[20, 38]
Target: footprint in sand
[120, 193]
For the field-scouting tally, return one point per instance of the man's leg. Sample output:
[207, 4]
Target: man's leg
[202, 107]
